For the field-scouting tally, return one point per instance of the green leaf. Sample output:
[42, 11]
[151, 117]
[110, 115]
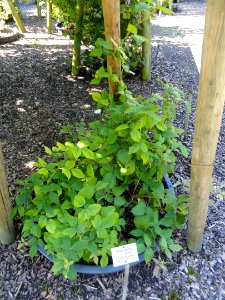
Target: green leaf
[135, 135]
[77, 173]
[96, 52]
[123, 156]
[90, 171]
[71, 273]
[122, 127]
[33, 250]
[148, 239]
[139, 209]
[61, 146]
[137, 232]
[97, 221]
[183, 150]
[119, 201]
[43, 171]
[148, 255]
[69, 164]
[134, 148]
[53, 197]
[87, 192]
[51, 226]
[13, 213]
[67, 173]
[163, 243]
[93, 209]
[175, 247]
[96, 96]
[42, 162]
[88, 153]
[104, 261]
[48, 150]
[102, 233]
[107, 222]
[79, 201]
[139, 39]
[132, 29]
[101, 185]
[42, 221]
[140, 247]
[168, 254]
[142, 222]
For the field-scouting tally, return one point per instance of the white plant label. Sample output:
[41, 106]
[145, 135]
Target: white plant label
[124, 254]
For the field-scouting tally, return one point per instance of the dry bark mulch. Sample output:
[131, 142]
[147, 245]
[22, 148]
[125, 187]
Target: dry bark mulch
[37, 94]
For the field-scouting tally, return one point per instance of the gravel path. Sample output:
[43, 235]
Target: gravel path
[37, 94]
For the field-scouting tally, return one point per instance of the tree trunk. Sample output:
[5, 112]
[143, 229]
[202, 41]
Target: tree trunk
[146, 47]
[16, 16]
[78, 38]
[210, 105]
[7, 233]
[111, 13]
[49, 16]
[38, 9]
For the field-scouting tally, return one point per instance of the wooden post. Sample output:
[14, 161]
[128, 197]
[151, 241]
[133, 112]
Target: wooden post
[77, 37]
[208, 120]
[16, 16]
[7, 233]
[146, 47]
[49, 16]
[111, 13]
[38, 9]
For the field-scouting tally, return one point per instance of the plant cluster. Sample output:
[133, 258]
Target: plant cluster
[104, 187]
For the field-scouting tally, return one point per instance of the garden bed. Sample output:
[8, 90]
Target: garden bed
[37, 93]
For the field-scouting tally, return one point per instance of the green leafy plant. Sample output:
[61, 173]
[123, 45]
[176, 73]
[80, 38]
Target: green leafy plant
[104, 187]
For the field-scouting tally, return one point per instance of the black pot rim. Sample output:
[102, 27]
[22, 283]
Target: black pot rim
[98, 270]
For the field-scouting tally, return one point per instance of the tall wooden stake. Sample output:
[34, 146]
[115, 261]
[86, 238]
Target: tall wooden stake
[16, 16]
[208, 120]
[49, 16]
[7, 233]
[111, 13]
[38, 9]
[146, 47]
[78, 37]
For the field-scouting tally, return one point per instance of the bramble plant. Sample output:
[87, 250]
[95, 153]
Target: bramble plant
[104, 187]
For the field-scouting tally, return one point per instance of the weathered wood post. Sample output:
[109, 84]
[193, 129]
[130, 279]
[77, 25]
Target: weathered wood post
[111, 13]
[208, 120]
[7, 233]
[78, 37]
[16, 16]
[49, 16]
[146, 47]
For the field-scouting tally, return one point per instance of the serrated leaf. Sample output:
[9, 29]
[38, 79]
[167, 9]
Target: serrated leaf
[79, 201]
[71, 273]
[97, 221]
[119, 201]
[42, 162]
[42, 221]
[142, 222]
[104, 261]
[90, 171]
[101, 185]
[168, 254]
[135, 135]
